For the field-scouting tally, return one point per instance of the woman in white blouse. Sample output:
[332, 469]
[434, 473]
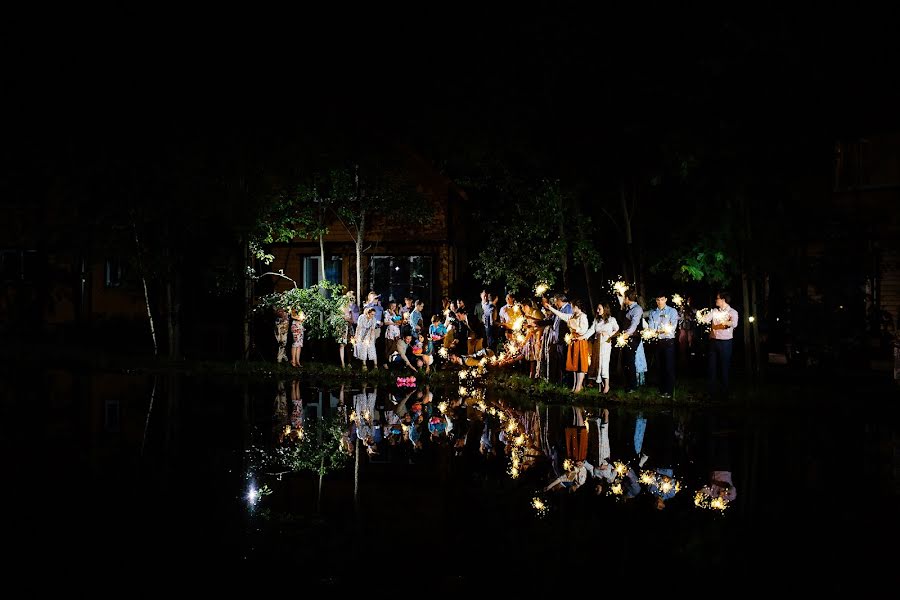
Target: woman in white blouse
[603, 329]
[579, 351]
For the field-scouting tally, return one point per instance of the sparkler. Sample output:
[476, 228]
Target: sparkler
[701, 500]
[518, 324]
[648, 478]
[677, 300]
[463, 374]
[616, 489]
[621, 469]
[567, 465]
[621, 340]
[481, 406]
[620, 288]
[463, 391]
[520, 440]
[539, 506]
[648, 334]
[442, 407]
[568, 338]
[540, 289]
[443, 353]
[511, 427]
[520, 338]
[668, 328]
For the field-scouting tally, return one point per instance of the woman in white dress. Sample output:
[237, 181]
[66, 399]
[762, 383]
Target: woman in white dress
[603, 329]
[366, 332]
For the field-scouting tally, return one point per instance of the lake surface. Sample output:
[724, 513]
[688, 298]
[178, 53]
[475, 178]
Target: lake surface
[102, 486]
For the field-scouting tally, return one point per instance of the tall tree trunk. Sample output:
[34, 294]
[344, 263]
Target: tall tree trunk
[149, 410]
[360, 238]
[628, 239]
[587, 281]
[321, 258]
[146, 293]
[321, 476]
[565, 256]
[248, 300]
[755, 328]
[356, 483]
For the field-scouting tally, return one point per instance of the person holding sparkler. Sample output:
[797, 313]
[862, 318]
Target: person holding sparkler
[578, 351]
[723, 320]
[632, 324]
[664, 320]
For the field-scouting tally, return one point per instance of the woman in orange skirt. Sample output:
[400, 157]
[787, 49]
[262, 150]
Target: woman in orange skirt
[579, 349]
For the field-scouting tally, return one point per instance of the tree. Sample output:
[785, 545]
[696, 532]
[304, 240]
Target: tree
[531, 238]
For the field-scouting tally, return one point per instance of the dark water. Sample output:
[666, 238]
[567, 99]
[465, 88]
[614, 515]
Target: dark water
[99, 492]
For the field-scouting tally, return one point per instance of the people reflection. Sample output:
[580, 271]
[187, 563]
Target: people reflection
[719, 490]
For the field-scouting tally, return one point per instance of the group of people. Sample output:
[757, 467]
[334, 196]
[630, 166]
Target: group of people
[558, 339]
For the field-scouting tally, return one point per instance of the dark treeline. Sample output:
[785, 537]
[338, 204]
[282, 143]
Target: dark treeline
[687, 156]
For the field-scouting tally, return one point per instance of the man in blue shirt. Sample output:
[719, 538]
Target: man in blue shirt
[632, 324]
[664, 321]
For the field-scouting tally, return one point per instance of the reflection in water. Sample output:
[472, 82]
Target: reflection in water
[471, 467]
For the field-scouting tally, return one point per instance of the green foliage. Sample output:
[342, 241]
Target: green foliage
[296, 212]
[525, 245]
[322, 303]
[319, 449]
[706, 260]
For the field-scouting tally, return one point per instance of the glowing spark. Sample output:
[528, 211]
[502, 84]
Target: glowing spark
[647, 478]
[353, 415]
[463, 391]
[567, 465]
[520, 440]
[482, 362]
[511, 427]
[514, 472]
[648, 334]
[621, 469]
[539, 506]
[568, 338]
[463, 374]
[621, 340]
[540, 289]
[252, 495]
[752, 319]
[616, 489]
[518, 324]
[620, 287]
[520, 338]
[668, 329]
[482, 406]
[442, 407]
[666, 487]
[677, 299]
[443, 353]
[718, 504]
